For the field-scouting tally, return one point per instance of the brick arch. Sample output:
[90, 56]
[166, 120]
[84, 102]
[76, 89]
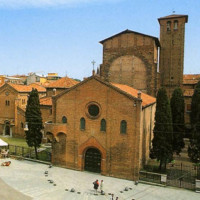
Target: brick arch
[60, 134]
[50, 136]
[129, 70]
[106, 67]
[91, 143]
[59, 149]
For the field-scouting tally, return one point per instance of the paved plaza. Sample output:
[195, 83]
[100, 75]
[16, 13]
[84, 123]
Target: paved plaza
[25, 179]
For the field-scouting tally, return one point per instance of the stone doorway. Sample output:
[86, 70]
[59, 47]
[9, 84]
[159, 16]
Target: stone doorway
[93, 160]
[7, 128]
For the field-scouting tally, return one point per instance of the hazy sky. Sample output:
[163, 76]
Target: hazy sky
[63, 35]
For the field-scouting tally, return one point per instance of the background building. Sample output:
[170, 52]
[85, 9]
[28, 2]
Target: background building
[13, 100]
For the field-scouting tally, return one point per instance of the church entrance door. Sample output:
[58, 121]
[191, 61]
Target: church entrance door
[93, 160]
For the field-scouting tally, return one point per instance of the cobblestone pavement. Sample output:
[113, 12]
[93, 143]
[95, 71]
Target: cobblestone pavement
[29, 178]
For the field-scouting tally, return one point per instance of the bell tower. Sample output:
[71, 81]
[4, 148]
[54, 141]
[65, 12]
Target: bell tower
[172, 36]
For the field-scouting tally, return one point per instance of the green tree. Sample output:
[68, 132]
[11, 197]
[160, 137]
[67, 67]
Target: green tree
[194, 147]
[162, 148]
[34, 120]
[178, 109]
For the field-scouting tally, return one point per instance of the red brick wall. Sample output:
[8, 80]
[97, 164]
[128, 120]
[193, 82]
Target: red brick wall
[123, 47]
[121, 153]
[172, 54]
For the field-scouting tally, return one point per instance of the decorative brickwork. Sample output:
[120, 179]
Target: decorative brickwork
[131, 58]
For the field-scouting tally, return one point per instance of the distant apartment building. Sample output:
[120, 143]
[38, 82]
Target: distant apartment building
[35, 78]
[52, 76]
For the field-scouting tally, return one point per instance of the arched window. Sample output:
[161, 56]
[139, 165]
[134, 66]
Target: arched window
[64, 120]
[7, 102]
[168, 26]
[103, 125]
[22, 125]
[175, 25]
[82, 123]
[123, 127]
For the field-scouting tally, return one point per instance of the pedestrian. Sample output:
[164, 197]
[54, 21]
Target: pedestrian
[102, 186]
[96, 185]
[116, 198]
[112, 197]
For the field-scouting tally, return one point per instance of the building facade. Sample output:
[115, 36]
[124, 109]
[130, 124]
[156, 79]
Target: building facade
[102, 127]
[131, 58]
[145, 62]
[13, 101]
[172, 40]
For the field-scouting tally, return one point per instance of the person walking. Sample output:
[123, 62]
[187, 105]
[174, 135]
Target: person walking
[96, 185]
[102, 186]
[112, 197]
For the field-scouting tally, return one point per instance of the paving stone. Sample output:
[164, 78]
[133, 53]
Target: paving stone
[28, 178]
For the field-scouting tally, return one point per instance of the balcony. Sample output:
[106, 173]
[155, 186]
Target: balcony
[55, 127]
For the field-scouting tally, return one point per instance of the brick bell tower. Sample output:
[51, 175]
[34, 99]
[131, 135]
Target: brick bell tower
[172, 36]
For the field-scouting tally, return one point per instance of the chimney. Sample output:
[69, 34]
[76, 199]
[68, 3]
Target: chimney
[54, 91]
[139, 94]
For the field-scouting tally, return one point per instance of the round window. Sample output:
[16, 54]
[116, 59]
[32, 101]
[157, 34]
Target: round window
[93, 110]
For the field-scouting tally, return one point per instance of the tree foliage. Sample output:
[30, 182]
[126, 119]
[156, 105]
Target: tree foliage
[194, 147]
[162, 142]
[34, 120]
[178, 109]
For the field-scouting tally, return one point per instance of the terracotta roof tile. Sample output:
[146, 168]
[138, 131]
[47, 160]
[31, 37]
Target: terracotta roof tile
[27, 88]
[46, 101]
[64, 82]
[191, 78]
[146, 99]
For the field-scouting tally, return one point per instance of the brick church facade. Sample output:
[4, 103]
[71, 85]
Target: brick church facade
[102, 127]
[105, 123]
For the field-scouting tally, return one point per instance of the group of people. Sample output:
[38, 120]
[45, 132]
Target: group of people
[96, 186]
[6, 163]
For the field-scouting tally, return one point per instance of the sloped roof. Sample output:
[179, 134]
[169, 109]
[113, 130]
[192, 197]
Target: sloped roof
[146, 99]
[174, 16]
[27, 88]
[46, 101]
[64, 82]
[129, 31]
[191, 79]
[123, 89]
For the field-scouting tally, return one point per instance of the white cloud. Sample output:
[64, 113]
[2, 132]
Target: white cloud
[43, 3]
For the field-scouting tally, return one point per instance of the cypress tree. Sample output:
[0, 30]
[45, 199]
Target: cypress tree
[34, 120]
[194, 147]
[162, 148]
[177, 109]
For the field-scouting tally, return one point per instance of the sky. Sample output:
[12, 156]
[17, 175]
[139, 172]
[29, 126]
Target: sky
[62, 36]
